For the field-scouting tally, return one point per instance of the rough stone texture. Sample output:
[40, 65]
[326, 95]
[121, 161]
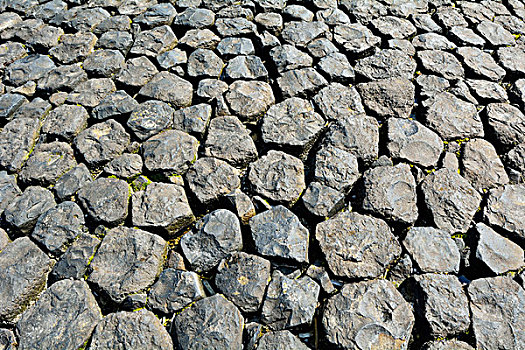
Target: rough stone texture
[390, 191]
[498, 253]
[138, 329]
[322, 200]
[161, 205]
[278, 176]
[389, 97]
[174, 290]
[506, 122]
[149, 118]
[451, 200]
[127, 261]
[453, 118]
[497, 306]
[169, 88]
[63, 317]
[279, 233]
[212, 322]
[505, 209]
[24, 269]
[432, 249]
[17, 139]
[481, 63]
[214, 237]
[65, 122]
[209, 179]
[386, 64]
[229, 140]
[243, 279]
[69, 183]
[368, 315]
[250, 99]
[23, 211]
[280, 340]
[412, 141]
[171, 150]
[74, 262]
[289, 301]
[8, 190]
[447, 345]
[336, 168]
[105, 200]
[482, 166]
[357, 246]
[337, 101]
[442, 304]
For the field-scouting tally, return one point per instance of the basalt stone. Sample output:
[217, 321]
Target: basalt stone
[466, 37]
[481, 63]
[90, 93]
[115, 104]
[211, 89]
[243, 279]
[289, 301]
[58, 227]
[336, 168]
[402, 45]
[171, 150]
[431, 85]
[10, 52]
[172, 58]
[8, 190]
[65, 77]
[157, 15]
[278, 176]
[149, 118]
[63, 317]
[236, 26]
[287, 57]
[74, 47]
[193, 119]
[485, 90]
[386, 64]
[451, 200]
[245, 67]
[337, 101]
[368, 314]
[482, 165]
[279, 233]
[301, 33]
[104, 63]
[298, 12]
[233, 46]
[138, 329]
[169, 88]
[116, 40]
[504, 209]
[498, 253]
[215, 237]
[497, 306]
[137, 71]
[102, 142]
[441, 63]
[125, 166]
[515, 159]
[321, 200]
[390, 192]
[127, 261]
[355, 39]
[23, 211]
[200, 39]
[65, 121]
[432, 41]
[280, 340]
[210, 178]
[389, 97]
[32, 67]
[161, 205]
[47, 163]
[357, 246]
[174, 290]
[250, 99]
[105, 200]
[365, 10]
[292, 123]
[204, 63]
[69, 183]
[9, 104]
[412, 141]
[453, 118]
[432, 249]
[38, 108]
[495, 34]
[300, 82]
[74, 262]
[441, 303]
[394, 27]
[452, 344]
[212, 322]
[195, 18]
[506, 122]
[155, 41]
[358, 134]
[512, 59]
[337, 67]
[24, 269]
